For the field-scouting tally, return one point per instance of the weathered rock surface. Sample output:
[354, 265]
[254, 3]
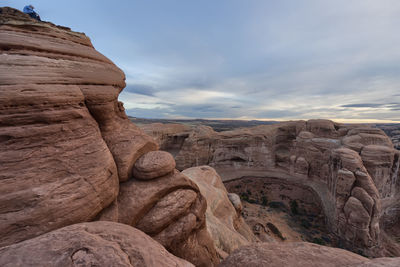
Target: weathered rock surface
[292, 255]
[55, 168]
[153, 164]
[68, 149]
[331, 159]
[90, 244]
[393, 131]
[236, 202]
[170, 209]
[224, 223]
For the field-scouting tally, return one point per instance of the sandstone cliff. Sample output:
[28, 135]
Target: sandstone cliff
[69, 155]
[350, 171]
[81, 185]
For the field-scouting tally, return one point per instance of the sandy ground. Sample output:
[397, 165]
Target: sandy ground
[276, 224]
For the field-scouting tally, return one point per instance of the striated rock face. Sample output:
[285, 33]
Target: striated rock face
[353, 169]
[55, 167]
[170, 209]
[224, 221]
[300, 254]
[153, 165]
[90, 244]
[68, 150]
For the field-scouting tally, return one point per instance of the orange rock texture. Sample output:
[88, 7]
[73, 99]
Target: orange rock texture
[68, 150]
[351, 171]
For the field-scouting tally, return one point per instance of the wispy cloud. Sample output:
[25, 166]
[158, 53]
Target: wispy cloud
[290, 61]
[258, 59]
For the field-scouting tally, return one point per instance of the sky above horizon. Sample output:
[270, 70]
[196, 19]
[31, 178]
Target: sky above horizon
[256, 59]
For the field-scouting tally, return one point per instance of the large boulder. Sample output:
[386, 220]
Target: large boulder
[224, 222]
[154, 164]
[90, 244]
[169, 208]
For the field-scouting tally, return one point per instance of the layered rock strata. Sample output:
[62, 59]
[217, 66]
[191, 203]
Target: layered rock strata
[68, 150]
[55, 167]
[167, 206]
[224, 221]
[353, 169]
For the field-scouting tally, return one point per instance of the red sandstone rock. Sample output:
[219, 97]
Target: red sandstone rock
[90, 244]
[171, 210]
[224, 223]
[292, 255]
[66, 143]
[329, 158]
[153, 164]
[55, 168]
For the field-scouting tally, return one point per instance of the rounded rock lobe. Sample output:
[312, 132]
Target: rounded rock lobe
[153, 164]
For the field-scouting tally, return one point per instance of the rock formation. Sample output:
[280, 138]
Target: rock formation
[300, 254]
[90, 244]
[69, 154]
[393, 131]
[350, 171]
[77, 177]
[166, 205]
[224, 221]
[55, 167]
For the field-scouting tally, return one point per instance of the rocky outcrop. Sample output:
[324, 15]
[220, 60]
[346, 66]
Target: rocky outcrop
[300, 254]
[169, 208]
[55, 167]
[343, 164]
[153, 165]
[69, 154]
[90, 244]
[224, 221]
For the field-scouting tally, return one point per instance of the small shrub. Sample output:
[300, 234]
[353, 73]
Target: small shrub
[249, 192]
[318, 241]
[252, 201]
[244, 196]
[264, 201]
[326, 239]
[294, 207]
[360, 252]
[306, 224]
[276, 205]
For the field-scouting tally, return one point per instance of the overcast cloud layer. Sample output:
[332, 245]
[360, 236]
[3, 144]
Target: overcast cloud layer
[275, 60]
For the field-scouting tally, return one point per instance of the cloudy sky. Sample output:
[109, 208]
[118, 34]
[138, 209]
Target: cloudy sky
[247, 59]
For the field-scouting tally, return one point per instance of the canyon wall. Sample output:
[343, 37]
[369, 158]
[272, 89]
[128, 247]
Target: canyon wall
[353, 169]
